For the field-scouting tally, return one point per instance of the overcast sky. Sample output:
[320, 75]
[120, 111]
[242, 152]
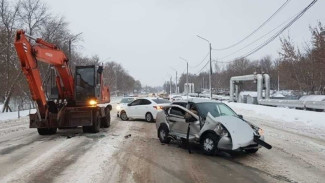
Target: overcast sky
[148, 36]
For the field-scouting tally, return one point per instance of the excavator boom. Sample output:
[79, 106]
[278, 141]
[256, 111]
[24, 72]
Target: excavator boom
[46, 52]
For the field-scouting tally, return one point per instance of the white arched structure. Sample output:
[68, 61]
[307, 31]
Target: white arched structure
[259, 78]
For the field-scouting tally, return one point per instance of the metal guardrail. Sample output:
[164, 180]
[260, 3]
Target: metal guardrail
[319, 105]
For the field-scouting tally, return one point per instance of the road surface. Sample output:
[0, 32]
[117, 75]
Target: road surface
[129, 151]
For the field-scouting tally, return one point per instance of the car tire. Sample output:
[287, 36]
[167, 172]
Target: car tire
[46, 131]
[163, 133]
[123, 116]
[149, 117]
[251, 151]
[209, 143]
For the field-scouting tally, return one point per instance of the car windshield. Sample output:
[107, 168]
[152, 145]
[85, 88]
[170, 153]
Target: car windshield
[127, 100]
[215, 109]
[161, 101]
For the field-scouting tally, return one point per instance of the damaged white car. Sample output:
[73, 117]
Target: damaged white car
[212, 124]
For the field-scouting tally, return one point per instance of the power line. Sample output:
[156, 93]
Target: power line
[261, 37]
[299, 15]
[262, 25]
[204, 66]
[280, 32]
[201, 61]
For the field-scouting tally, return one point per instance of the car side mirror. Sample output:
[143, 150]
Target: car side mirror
[129, 104]
[189, 118]
[240, 116]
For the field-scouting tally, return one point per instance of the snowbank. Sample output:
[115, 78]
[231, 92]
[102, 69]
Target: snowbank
[307, 118]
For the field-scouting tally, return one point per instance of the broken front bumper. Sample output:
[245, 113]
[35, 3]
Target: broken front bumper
[225, 143]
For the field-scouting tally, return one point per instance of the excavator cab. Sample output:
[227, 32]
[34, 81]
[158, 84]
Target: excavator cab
[88, 85]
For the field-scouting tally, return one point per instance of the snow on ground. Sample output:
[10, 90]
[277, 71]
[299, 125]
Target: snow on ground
[285, 114]
[14, 115]
[304, 122]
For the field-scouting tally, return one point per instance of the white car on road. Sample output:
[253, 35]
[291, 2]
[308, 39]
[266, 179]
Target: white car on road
[143, 108]
[124, 102]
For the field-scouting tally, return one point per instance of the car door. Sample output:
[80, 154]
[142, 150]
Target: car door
[176, 120]
[131, 109]
[143, 108]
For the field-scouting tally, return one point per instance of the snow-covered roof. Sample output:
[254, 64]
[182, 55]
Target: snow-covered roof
[312, 98]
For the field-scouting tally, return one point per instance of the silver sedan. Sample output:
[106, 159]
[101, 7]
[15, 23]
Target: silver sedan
[212, 124]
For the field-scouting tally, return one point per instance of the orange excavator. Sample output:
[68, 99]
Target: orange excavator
[81, 100]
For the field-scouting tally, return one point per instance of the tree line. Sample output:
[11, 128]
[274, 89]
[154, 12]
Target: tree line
[298, 69]
[36, 19]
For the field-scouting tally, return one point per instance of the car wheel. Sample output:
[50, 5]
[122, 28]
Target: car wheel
[123, 116]
[251, 151]
[149, 117]
[209, 143]
[163, 133]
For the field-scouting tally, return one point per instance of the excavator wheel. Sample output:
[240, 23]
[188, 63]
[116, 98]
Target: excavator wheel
[106, 120]
[94, 128]
[46, 131]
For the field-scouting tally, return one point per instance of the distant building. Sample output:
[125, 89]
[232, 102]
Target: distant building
[249, 97]
[189, 88]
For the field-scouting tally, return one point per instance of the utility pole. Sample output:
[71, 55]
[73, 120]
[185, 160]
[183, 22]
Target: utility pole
[176, 84]
[187, 80]
[203, 84]
[187, 84]
[210, 72]
[176, 90]
[278, 81]
[170, 86]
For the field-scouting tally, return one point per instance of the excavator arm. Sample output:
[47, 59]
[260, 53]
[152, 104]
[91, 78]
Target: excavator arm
[29, 54]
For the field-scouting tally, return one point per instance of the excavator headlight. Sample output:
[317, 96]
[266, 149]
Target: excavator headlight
[92, 102]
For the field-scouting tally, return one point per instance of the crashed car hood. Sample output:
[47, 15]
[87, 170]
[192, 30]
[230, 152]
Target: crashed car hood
[241, 132]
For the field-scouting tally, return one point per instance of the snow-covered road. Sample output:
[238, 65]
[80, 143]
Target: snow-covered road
[71, 156]
[298, 139]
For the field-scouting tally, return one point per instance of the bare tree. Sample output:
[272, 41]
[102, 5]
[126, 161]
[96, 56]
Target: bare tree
[8, 58]
[33, 14]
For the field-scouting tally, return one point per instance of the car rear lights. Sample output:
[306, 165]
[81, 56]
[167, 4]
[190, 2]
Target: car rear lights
[158, 107]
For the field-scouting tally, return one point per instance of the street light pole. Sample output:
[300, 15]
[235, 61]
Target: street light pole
[176, 84]
[210, 72]
[170, 86]
[176, 91]
[187, 84]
